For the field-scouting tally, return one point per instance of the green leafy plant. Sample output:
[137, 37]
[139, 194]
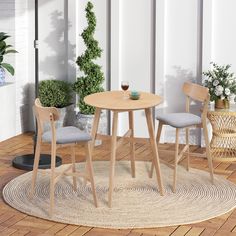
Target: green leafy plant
[93, 77]
[55, 93]
[4, 50]
[220, 81]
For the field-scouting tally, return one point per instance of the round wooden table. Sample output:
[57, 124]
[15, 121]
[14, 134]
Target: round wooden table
[115, 102]
[223, 142]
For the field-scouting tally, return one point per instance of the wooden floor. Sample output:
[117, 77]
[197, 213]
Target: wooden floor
[13, 222]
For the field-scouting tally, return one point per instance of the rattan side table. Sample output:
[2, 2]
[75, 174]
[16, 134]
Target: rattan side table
[223, 142]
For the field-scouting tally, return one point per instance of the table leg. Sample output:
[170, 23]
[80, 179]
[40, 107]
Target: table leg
[95, 127]
[132, 147]
[113, 156]
[156, 161]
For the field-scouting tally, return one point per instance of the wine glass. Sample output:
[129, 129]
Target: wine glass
[124, 86]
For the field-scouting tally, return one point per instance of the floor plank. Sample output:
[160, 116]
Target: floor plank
[13, 222]
[181, 230]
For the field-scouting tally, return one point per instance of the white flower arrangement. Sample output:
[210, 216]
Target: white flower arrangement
[221, 82]
[218, 90]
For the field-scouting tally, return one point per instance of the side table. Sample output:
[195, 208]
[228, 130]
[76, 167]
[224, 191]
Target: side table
[115, 102]
[223, 142]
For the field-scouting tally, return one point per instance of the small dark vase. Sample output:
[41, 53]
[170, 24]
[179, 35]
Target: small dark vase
[222, 104]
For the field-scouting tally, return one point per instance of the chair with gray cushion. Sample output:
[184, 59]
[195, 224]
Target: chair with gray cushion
[185, 121]
[65, 136]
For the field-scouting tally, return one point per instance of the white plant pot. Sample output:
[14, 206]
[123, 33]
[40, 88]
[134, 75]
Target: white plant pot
[85, 123]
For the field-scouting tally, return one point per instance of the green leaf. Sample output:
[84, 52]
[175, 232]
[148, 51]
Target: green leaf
[11, 51]
[3, 45]
[3, 36]
[9, 68]
[4, 48]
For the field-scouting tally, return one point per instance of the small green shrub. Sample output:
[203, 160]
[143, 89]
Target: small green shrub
[55, 93]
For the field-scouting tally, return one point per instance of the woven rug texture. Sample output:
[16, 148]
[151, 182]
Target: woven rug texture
[136, 201]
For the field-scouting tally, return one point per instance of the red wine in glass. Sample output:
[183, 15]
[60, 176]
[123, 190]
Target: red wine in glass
[125, 87]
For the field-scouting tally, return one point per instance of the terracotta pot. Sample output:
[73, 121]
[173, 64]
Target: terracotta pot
[222, 104]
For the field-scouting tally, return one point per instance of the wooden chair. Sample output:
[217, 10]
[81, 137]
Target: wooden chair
[186, 120]
[65, 136]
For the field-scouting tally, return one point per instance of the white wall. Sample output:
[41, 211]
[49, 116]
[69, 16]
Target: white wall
[180, 56]
[60, 24]
[8, 113]
[176, 51]
[21, 66]
[180, 32]
[52, 40]
[218, 33]
[14, 96]
[177, 46]
[134, 55]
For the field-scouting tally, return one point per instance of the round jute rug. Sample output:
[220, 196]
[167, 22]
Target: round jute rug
[136, 201]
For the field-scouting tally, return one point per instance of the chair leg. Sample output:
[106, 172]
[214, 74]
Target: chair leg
[52, 183]
[36, 164]
[132, 147]
[86, 170]
[208, 153]
[176, 159]
[187, 143]
[157, 140]
[90, 171]
[73, 166]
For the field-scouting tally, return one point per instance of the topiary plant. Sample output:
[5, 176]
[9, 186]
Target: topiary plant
[93, 77]
[55, 93]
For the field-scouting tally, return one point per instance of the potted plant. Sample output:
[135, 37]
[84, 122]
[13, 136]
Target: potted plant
[91, 80]
[222, 85]
[4, 50]
[57, 93]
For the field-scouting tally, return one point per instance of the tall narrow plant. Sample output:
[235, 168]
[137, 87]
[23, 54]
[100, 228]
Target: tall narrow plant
[91, 81]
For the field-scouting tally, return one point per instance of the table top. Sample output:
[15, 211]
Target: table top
[114, 100]
[232, 109]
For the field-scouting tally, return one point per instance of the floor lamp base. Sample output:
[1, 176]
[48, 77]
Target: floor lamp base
[26, 162]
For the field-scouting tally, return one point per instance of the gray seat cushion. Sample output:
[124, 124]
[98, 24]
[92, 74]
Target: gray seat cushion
[66, 135]
[179, 120]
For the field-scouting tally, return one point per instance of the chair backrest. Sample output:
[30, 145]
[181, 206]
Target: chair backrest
[198, 93]
[44, 114]
[195, 91]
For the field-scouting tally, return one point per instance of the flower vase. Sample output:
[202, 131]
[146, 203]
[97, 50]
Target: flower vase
[2, 76]
[222, 104]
